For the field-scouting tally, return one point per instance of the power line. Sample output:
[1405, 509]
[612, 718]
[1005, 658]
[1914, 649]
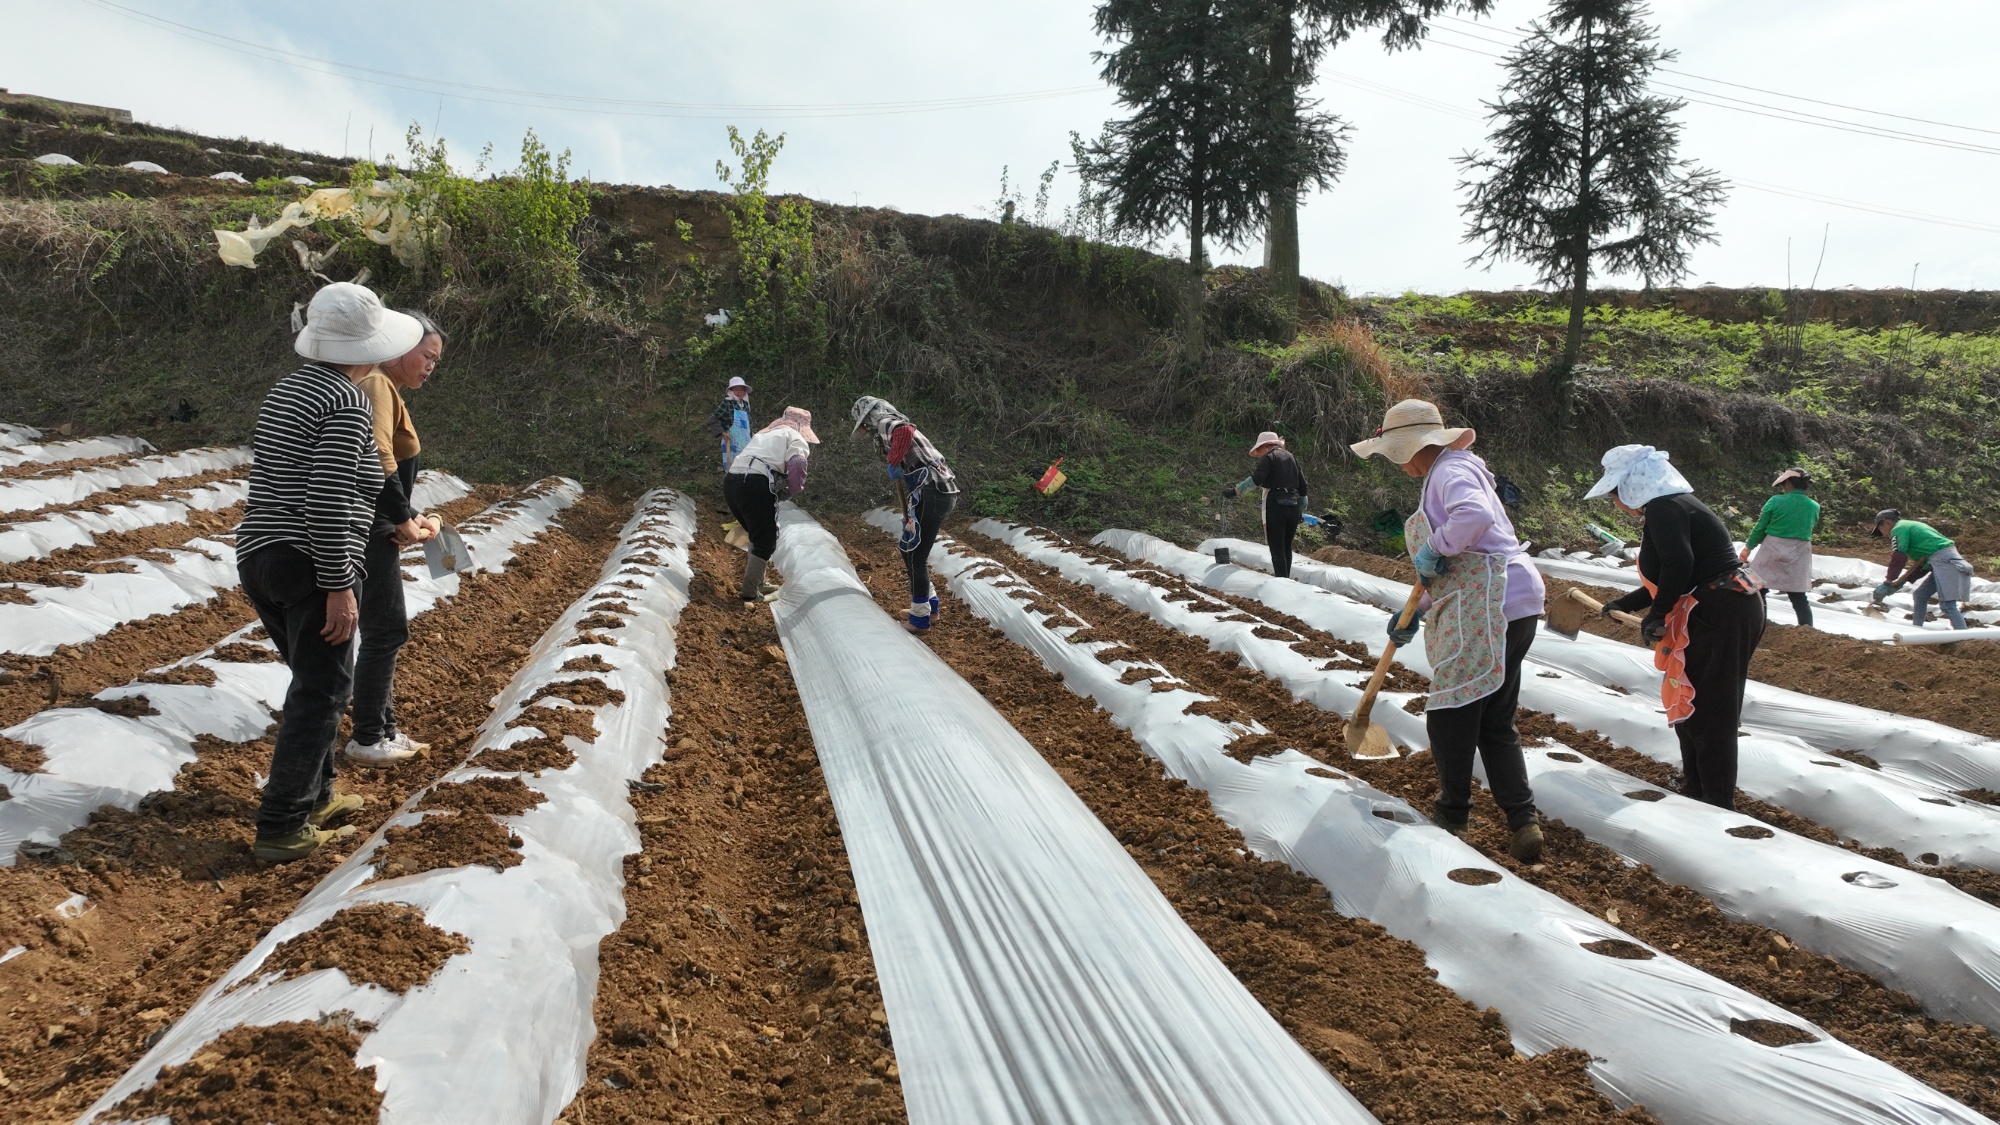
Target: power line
[1871, 208]
[1763, 90]
[586, 103]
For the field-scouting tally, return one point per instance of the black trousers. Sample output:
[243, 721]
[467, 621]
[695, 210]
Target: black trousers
[1723, 631]
[281, 583]
[755, 506]
[1281, 526]
[385, 628]
[1801, 608]
[931, 513]
[1485, 725]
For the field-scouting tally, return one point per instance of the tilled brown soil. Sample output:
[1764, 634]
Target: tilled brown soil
[1958, 1059]
[167, 489]
[221, 521]
[175, 897]
[74, 673]
[1364, 1003]
[741, 986]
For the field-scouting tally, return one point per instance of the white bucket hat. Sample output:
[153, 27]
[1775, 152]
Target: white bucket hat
[1409, 427]
[1264, 440]
[347, 324]
[1640, 474]
[735, 383]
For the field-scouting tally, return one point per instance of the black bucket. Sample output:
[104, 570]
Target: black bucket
[1222, 556]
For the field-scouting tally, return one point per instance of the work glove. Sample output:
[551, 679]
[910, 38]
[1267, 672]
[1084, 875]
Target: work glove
[1653, 629]
[1430, 565]
[1884, 590]
[1403, 636]
[895, 473]
[1229, 493]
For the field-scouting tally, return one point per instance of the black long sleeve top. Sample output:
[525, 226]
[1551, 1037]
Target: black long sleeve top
[1279, 471]
[1683, 546]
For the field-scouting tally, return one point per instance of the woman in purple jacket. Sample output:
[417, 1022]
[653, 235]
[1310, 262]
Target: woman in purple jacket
[1483, 596]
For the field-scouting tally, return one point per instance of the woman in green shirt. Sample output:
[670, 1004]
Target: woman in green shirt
[1782, 541]
[1918, 545]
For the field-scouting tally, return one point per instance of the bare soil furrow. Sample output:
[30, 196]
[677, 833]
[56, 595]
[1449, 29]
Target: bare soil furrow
[1960, 1060]
[1364, 1003]
[174, 896]
[741, 986]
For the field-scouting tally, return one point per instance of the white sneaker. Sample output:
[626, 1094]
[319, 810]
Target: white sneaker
[394, 748]
[405, 742]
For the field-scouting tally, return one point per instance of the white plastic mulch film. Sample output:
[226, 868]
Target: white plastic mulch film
[1925, 937]
[94, 757]
[1922, 750]
[55, 487]
[500, 1033]
[1030, 970]
[56, 452]
[54, 616]
[1659, 1031]
[40, 538]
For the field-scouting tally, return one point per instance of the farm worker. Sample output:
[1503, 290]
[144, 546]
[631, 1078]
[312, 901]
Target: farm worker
[730, 420]
[929, 491]
[1918, 546]
[301, 549]
[1782, 542]
[775, 458]
[1487, 596]
[1704, 615]
[1277, 473]
[385, 622]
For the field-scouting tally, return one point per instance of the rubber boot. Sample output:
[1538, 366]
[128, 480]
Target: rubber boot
[1526, 845]
[753, 579]
[1439, 820]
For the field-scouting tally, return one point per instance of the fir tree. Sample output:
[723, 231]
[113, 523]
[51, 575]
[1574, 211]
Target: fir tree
[1584, 169]
[1199, 150]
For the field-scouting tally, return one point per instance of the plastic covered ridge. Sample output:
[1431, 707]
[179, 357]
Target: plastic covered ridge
[1031, 971]
[22, 494]
[55, 453]
[501, 1032]
[38, 539]
[1657, 1029]
[97, 758]
[1928, 753]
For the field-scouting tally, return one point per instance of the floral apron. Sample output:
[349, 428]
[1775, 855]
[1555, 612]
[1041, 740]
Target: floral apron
[1465, 635]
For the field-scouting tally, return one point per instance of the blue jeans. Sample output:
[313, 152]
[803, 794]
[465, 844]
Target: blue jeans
[281, 583]
[1920, 609]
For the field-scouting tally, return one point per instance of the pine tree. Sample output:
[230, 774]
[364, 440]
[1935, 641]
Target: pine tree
[1584, 168]
[1199, 150]
[1300, 33]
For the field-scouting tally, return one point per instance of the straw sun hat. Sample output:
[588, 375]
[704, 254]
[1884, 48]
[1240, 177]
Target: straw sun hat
[1266, 440]
[1410, 425]
[346, 324]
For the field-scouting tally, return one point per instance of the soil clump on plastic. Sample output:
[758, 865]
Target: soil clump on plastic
[741, 985]
[447, 839]
[1961, 1060]
[291, 1072]
[383, 943]
[1364, 1003]
[173, 896]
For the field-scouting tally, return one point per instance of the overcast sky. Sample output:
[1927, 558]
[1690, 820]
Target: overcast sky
[1391, 224]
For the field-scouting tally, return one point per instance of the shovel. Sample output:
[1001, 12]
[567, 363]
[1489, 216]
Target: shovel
[1568, 613]
[1367, 742]
[446, 552]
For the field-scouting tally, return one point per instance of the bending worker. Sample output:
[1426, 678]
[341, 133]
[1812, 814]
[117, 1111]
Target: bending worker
[773, 459]
[1487, 596]
[1782, 542]
[1284, 485]
[385, 620]
[730, 421]
[1944, 571]
[1704, 615]
[929, 492]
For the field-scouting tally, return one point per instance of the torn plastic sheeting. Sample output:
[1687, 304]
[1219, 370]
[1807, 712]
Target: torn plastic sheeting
[27, 493]
[1658, 1030]
[14, 435]
[500, 1033]
[65, 615]
[94, 758]
[1031, 971]
[1316, 680]
[1877, 808]
[1927, 752]
[1910, 931]
[382, 210]
[55, 453]
[38, 539]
